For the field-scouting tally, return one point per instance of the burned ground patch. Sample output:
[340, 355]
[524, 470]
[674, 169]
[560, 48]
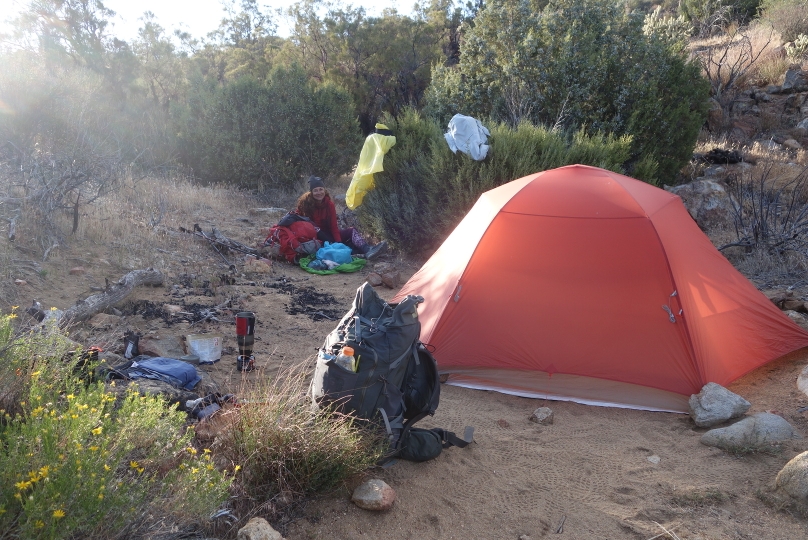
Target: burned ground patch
[191, 312]
[308, 301]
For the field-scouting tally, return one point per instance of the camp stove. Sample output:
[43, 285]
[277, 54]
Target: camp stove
[245, 335]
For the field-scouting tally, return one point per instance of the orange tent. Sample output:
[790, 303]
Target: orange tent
[586, 285]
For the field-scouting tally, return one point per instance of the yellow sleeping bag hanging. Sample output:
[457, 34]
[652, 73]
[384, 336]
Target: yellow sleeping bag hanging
[370, 161]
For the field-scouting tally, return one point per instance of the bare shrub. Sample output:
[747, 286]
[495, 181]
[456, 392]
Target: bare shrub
[730, 61]
[771, 218]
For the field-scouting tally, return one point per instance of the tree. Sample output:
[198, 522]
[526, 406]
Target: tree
[577, 64]
[268, 134]
[384, 62]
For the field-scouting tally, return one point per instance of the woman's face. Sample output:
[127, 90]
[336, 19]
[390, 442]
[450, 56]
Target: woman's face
[318, 193]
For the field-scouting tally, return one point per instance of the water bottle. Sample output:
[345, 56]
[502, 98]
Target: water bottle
[345, 359]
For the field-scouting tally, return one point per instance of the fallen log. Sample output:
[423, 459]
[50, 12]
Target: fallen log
[113, 293]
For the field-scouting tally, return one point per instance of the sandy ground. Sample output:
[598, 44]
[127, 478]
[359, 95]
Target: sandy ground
[594, 473]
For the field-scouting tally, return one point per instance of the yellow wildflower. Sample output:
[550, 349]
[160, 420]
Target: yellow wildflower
[206, 450]
[238, 468]
[134, 464]
[94, 448]
[70, 396]
[100, 495]
[140, 470]
[98, 430]
[22, 485]
[59, 514]
[39, 524]
[194, 470]
[107, 467]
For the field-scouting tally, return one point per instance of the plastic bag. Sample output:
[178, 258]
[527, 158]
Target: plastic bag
[339, 253]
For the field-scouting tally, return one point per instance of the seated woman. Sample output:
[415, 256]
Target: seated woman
[316, 204]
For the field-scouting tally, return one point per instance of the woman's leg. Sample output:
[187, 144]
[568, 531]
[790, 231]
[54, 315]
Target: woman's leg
[351, 237]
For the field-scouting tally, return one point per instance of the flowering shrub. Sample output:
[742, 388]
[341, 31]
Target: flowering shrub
[77, 461]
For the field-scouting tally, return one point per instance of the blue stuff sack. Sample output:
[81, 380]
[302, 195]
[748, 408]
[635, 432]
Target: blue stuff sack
[339, 253]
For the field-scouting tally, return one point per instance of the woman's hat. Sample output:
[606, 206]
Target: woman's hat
[315, 182]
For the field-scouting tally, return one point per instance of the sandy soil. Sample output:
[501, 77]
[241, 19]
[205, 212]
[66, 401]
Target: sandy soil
[601, 472]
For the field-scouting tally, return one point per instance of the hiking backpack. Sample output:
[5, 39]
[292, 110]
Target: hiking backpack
[396, 379]
[296, 240]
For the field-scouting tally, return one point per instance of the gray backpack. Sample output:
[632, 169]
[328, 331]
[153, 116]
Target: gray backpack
[396, 379]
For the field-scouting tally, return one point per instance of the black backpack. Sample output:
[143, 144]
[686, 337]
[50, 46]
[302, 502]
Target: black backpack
[396, 380]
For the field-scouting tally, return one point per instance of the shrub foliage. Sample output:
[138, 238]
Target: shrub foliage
[79, 461]
[577, 64]
[268, 134]
[425, 189]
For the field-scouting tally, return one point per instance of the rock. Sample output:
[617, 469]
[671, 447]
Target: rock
[20, 282]
[168, 347]
[104, 321]
[258, 529]
[793, 304]
[374, 279]
[383, 268]
[503, 423]
[172, 308]
[803, 124]
[715, 404]
[791, 144]
[374, 495]
[752, 433]
[714, 170]
[525, 537]
[78, 271]
[794, 80]
[715, 116]
[707, 201]
[742, 130]
[542, 415]
[802, 381]
[391, 279]
[655, 459]
[793, 478]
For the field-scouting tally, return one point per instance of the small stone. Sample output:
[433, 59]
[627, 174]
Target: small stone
[542, 415]
[78, 271]
[374, 279]
[391, 279]
[503, 423]
[374, 495]
[655, 459]
[258, 529]
[20, 282]
[525, 537]
[172, 308]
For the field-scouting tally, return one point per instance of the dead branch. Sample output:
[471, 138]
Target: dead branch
[84, 309]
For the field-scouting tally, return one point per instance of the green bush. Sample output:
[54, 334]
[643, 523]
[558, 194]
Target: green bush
[577, 64]
[425, 189]
[789, 17]
[268, 134]
[78, 462]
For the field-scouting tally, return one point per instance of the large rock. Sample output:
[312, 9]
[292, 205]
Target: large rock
[793, 478]
[715, 405]
[802, 381]
[756, 432]
[795, 80]
[374, 495]
[258, 529]
[707, 201]
[715, 116]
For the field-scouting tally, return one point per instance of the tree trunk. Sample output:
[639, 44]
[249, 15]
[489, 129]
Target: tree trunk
[84, 309]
